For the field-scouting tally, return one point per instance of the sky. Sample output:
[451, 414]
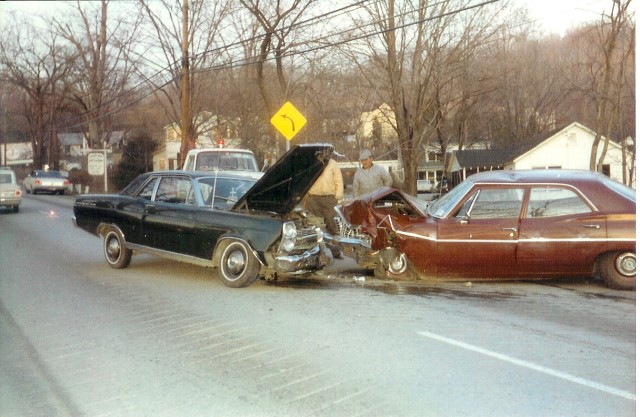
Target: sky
[553, 16]
[557, 16]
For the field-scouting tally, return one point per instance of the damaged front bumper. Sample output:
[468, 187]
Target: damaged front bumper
[310, 260]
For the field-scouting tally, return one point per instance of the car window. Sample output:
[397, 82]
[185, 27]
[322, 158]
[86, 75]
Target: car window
[492, 203]
[225, 161]
[5, 178]
[555, 201]
[208, 162]
[147, 190]
[173, 190]
[227, 190]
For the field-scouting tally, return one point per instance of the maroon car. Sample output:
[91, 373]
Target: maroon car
[534, 224]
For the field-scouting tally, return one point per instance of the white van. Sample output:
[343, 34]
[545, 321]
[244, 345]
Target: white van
[238, 161]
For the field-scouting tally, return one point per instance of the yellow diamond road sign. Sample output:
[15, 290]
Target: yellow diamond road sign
[288, 120]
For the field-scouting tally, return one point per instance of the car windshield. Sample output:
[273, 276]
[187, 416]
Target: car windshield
[445, 204]
[134, 185]
[418, 203]
[226, 161]
[226, 190]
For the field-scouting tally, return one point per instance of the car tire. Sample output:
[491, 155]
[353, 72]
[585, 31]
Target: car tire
[618, 269]
[115, 252]
[16, 208]
[400, 269]
[236, 265]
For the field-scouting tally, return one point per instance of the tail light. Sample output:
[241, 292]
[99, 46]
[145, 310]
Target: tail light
[18, 192]
[38, 182]
[66, 183]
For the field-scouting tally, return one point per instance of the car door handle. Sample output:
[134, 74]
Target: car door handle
[510, 229]
[150, 209]
[591, 226]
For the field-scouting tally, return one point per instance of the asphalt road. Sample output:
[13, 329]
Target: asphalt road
[165, 339]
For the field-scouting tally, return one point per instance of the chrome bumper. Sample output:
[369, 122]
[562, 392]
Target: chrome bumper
[311, 260]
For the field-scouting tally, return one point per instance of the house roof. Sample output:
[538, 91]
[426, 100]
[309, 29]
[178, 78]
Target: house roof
[75, 139]
[114, 137]
[70, 139]
[472, 158]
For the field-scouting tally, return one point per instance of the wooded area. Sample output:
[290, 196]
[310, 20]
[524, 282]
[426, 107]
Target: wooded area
[453, 72]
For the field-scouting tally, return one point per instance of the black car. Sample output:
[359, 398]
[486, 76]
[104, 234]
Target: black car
[244, 228]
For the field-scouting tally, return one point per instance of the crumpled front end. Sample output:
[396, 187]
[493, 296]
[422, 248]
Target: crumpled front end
[365, 226]
[301, 250]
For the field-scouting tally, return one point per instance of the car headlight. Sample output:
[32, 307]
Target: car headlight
[289, 236]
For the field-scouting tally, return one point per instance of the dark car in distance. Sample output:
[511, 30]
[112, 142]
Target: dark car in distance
[518, 225]
[243, 227]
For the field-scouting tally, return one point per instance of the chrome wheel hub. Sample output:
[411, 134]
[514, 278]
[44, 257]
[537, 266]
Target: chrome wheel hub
[113, 248]
[398, 265]
[236, 263]
[626, 264]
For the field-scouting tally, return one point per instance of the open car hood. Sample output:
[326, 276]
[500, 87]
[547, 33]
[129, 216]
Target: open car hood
[286, 183]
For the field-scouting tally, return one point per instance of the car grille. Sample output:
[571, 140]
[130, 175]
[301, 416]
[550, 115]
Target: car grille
[308, 237]
[354, 232]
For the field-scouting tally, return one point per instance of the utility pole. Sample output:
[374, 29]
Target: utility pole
[4, 153]
[185, 122]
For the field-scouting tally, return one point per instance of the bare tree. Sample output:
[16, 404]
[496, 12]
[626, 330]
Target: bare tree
[419, 56]
[277, 20]
[35, 62]
[201, 34]
[607, 71]
[104, 66]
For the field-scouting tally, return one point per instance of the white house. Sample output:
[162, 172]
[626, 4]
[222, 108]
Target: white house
[565, 148]
[376, 129]
[215, 131]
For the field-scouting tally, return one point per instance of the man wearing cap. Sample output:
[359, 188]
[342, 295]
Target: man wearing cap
[325, 194]
[369, 177]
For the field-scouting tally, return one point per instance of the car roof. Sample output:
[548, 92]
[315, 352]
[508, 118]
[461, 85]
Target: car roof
[198, 174]
[554, 176]
[199, 150]
[592, 184]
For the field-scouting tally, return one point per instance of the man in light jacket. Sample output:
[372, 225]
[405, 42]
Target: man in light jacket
[370, 177]
[325, 194]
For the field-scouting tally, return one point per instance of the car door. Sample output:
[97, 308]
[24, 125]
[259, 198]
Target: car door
[168, 221]
[480, 239]
[560, 233]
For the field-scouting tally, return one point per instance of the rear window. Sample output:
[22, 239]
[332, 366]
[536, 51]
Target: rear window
[6, 178]
[48, 174]
[555, 201]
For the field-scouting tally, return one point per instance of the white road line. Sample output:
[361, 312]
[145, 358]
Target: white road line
[533, 366]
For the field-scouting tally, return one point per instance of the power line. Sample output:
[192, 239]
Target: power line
[242, 62]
